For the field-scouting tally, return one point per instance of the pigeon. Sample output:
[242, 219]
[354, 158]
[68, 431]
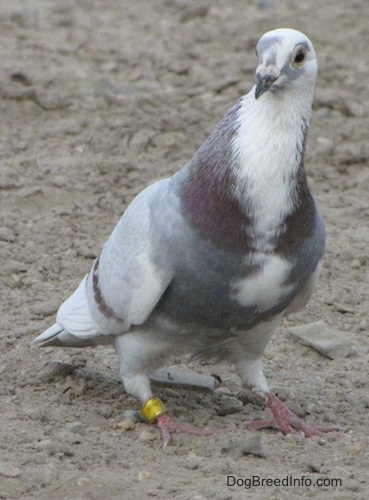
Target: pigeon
[210, 259]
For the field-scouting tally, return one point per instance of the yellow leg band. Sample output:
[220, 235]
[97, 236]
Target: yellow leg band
[152, 410]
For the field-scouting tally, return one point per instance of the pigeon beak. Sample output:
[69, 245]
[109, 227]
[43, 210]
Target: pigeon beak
[265, 77]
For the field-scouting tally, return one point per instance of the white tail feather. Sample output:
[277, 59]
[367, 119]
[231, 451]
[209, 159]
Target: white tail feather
[48, 335]
[74, 323]
[74, 314]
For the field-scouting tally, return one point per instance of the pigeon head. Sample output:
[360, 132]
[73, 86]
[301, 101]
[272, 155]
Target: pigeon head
[286, 59]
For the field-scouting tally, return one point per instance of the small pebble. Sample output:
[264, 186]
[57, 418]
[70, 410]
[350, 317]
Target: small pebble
[229, 405]
[143, 475]
[192, 463]
[6, 234]
[325, 146]
[354, 108]
[51, 447]
[253, 446]
[314, 466]
[60, 369]
[247, 396]
[60, 181]
[248, 446]
[147, 436]
[76, 427]
[126, 425]
[68, 437]
[82, 482]
[223, 390]
[316, 439]
[8, 470]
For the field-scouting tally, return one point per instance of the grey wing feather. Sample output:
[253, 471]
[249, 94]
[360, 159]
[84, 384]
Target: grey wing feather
[125, 286]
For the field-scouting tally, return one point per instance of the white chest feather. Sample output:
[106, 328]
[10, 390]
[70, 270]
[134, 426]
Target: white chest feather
[266, 287]
[268, 146]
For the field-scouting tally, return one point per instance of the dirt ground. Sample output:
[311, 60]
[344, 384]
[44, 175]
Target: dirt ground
[97, 99]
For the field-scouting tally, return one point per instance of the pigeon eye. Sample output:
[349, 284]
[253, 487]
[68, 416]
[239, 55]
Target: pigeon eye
[299, 57]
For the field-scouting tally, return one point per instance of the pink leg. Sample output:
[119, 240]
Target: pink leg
[168, 426]
[286, 421]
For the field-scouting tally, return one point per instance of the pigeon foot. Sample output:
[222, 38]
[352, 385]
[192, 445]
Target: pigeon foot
[168, 426]
[286, 421]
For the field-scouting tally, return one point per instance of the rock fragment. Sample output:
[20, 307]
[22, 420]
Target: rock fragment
[6, 234]
[229, 405]
[8, 470]
[248, 446]
[326, 340]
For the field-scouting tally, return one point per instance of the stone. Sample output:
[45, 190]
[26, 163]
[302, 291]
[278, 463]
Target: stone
[325, 146]
[229, 405]
[252, 445]
[60, 369]
[49, 446]
[68, 438]
[8, 470]
[126, 425]
[326, 340]
[192, 462]
[147, 436]
[76, 427]
[6, 234]
[143, 475]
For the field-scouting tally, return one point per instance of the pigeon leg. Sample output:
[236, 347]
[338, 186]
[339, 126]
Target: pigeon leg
[153, 411]
[286, 421]
[250, 369]
[136, 353]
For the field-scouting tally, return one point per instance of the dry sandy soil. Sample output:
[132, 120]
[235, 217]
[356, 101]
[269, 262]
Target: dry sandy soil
[98, 98]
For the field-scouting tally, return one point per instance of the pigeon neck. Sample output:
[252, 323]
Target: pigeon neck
[207, 189]
[244, 184]
[269, 148]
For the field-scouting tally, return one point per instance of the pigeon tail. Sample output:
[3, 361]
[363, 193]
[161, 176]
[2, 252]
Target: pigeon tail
[74, 325]
[49, 336]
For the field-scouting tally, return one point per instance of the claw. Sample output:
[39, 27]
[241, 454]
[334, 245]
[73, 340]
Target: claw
[286, 421]
[168, 426]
